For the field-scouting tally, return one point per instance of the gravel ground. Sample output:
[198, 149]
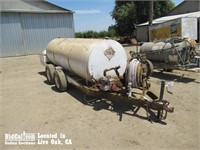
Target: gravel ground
[29, 104]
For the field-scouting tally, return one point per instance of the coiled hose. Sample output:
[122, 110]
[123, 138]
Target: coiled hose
[134, 74]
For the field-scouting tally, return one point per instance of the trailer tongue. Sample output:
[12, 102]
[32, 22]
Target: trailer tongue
[99, 68]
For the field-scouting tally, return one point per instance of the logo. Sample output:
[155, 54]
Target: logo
[36, 139]
[21, 139]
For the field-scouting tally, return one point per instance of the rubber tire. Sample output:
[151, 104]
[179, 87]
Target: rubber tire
[150, 68]
[50, 69]
[60, 80]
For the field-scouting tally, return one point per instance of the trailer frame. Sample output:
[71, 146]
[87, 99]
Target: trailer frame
[153, 102]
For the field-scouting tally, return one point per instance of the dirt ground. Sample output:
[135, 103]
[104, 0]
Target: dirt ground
[29, 104]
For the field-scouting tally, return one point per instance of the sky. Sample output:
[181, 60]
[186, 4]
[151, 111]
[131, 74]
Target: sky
[91, 14]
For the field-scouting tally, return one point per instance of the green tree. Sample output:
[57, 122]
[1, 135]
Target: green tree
[127, 14]
[78, 35]
[102, 34]
[162, 8]
[112, 31]
[124, 14]
[93, 34]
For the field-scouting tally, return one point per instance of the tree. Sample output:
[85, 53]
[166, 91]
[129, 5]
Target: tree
[112, 31]
[162, 8]
[124, 15]
[78, 35]
[93, 34]
[127, 14]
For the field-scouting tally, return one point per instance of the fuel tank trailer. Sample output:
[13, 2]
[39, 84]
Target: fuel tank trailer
[100, 68]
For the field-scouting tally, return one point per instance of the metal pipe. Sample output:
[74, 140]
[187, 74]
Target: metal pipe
[162, 88]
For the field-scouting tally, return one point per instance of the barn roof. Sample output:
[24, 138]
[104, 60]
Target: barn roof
[168, 18]
[36, 6]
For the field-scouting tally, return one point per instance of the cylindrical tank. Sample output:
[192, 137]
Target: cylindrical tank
[166, 52]
[150, 47]
[88, 58]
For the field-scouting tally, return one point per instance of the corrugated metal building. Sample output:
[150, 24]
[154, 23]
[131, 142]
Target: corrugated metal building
[186, 6]
[184, 9]
[143, 29]
[27, 26]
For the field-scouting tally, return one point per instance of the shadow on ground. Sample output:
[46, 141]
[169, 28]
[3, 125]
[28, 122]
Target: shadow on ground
[42, 73]
[119, 108]
[168, 76]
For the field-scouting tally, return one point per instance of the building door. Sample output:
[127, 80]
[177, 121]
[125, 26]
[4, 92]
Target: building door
[11, 43]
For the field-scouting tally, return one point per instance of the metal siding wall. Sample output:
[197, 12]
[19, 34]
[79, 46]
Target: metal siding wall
[142, 34]
[26, 33]
[39, 29]
[11, 36]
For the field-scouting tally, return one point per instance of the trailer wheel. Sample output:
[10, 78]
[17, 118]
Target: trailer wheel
[50, 73]
[150, 68]
[60, 80]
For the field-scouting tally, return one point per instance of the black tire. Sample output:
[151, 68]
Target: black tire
[150, 68]
[60, 80]
[50, 69]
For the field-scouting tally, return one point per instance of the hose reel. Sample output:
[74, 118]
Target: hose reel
[137, 71]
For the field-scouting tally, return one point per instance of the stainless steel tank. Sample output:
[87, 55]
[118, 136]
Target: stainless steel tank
[87, 58]
[166, 52]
